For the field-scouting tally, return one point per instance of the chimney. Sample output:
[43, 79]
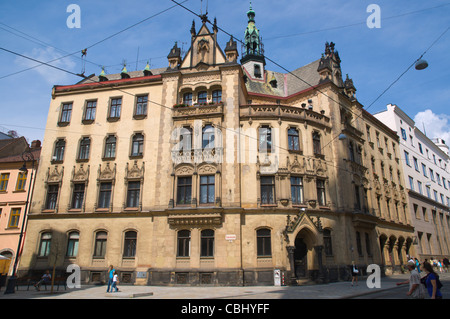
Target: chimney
[36, 144]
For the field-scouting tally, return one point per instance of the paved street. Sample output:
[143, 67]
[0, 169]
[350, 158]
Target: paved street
[339, 290]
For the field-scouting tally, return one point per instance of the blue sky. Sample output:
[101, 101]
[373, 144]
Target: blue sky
[294, 33]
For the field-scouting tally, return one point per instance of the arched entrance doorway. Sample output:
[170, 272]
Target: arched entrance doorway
[304, 257]
[300, 258]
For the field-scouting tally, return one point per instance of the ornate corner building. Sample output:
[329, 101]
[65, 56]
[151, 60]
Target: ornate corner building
[216, 171]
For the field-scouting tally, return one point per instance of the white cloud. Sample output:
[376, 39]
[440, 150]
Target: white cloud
[436, 125]
[50, 75]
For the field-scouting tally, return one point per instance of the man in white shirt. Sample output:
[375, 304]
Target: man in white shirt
[416, 289]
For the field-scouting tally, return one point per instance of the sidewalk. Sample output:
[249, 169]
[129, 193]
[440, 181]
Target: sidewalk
[335, 290]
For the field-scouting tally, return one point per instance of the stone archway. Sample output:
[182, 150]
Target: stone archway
[304, 253]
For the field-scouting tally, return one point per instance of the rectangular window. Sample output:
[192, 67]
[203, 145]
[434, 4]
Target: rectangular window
[419, 186]
[267, 190]
[432, 175]
[207, 243]
[184, 190]
[134, 189]
[297, 190]
[141, 105]
[184, 243]
[14, 217]
[4, 178]
[321, 198]
[293, 140]
[411, 183]
[66, 113]
[263, 242]
[428, 191]
[207, 184]
[403, 134]
[89, 113]
[116, 105]
[78, 196]
[187, 99]
[424, 170]
[52, 196]
[407, 158]
[21, 181]
[357, 198]
[217, 96]
[265, 139]
[202, 97]
[104, 197]
[416, 164]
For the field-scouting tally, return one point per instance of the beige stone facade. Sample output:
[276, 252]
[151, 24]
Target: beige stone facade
[214, 173]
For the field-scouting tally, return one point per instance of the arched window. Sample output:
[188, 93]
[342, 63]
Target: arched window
[208, 137]
[183, 243]
[72, 244]
[207, 243]
[85, 145]
[263, 241]
[137, 147]
[100, 244]
[44, 246]
[58, 154]
[110, 147]
[129, 246]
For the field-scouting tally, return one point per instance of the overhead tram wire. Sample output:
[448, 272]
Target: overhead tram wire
[96, 43]
[331, 163]
[70, 72]
[310, 85]
[354, 24]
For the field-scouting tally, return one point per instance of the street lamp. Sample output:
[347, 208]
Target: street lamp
[27, 156]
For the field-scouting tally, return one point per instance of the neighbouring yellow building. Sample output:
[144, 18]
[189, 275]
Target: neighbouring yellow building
[217, 171]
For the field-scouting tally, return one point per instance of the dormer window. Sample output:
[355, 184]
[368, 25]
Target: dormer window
[257, 71]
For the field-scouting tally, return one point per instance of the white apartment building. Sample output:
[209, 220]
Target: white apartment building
[426, 167]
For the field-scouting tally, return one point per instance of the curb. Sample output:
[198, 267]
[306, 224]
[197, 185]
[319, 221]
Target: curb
[128, 295]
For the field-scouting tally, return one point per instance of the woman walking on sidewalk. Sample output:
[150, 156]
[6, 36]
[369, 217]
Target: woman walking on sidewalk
[355, 272]
[431, 281]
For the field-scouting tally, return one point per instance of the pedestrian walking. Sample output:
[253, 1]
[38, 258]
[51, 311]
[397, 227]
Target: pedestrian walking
[416, 289]
[111, 272]
[355, 272]
[441, 267]
[417, 265]
[431, 282]
[446, 263]
[115, 282]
